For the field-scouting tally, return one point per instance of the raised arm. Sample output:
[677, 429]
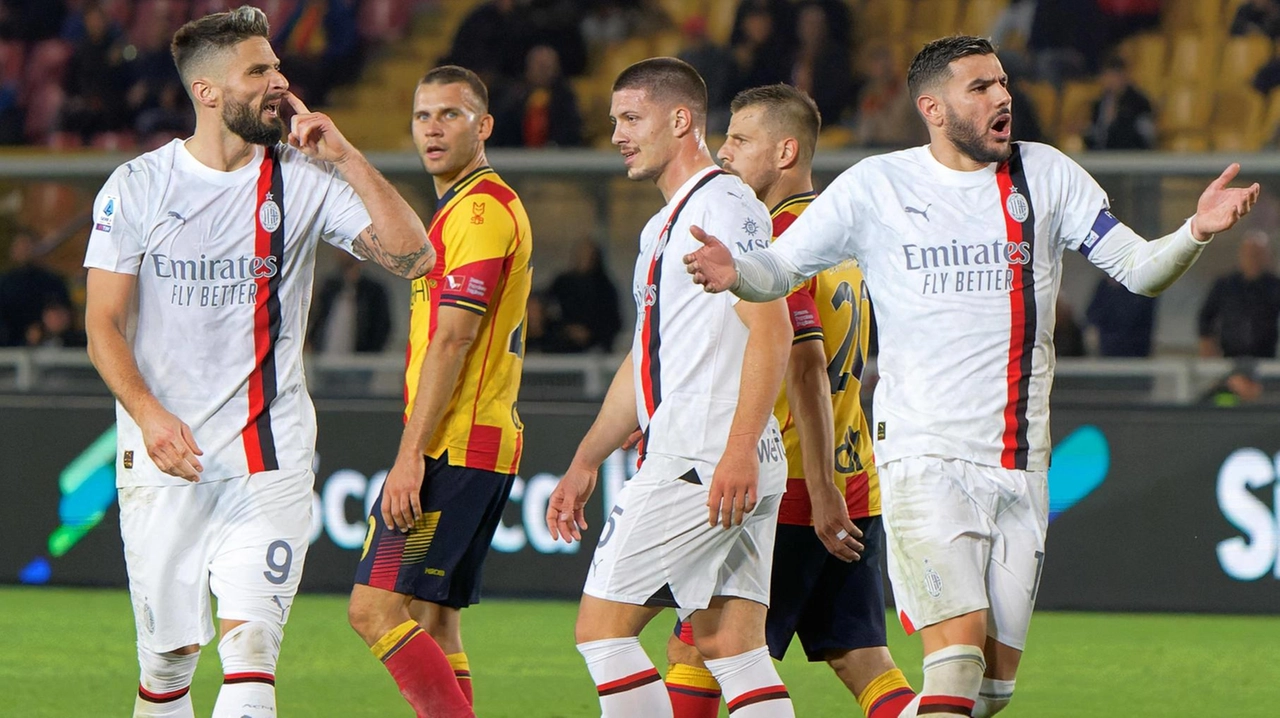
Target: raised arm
[396, 239]
[614, 423]
[169, 442]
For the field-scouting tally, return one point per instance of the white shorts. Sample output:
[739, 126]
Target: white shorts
[657, 548]
[963, 537]
[245, 539]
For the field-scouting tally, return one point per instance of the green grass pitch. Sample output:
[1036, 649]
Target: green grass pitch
[69, 653]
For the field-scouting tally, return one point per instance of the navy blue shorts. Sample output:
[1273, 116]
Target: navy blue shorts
[441, 558]
[833, 606]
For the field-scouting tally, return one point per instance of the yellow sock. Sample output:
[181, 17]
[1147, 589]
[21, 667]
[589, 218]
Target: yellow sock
[394, 640]
[882, 685]
[462, 671]
[687, 675]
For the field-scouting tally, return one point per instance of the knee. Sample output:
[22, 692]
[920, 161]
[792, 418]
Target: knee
[251, 646]
[370, 618]
[164, 674]
[680, 652]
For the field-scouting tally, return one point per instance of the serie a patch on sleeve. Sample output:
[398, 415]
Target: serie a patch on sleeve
[107, 214]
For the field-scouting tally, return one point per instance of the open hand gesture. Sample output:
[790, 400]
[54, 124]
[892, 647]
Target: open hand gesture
[712, 265]
[565, 516]
[1220, 207]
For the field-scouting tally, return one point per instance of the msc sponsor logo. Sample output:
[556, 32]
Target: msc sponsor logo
[1256, 552]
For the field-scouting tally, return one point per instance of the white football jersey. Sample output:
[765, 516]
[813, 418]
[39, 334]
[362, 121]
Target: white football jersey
[225, 266]
[688, 345]
[964, 270]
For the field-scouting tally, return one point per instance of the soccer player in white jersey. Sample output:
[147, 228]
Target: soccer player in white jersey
[694, 528]
[961, 243]
[206, 247]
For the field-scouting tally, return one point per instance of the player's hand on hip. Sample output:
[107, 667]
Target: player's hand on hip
[315, 133]
[1220, 207]
[402, 491]
[832, 524]
[712, 264]
[566, 516]
[634, 440]
[171, 445]
[733, 487]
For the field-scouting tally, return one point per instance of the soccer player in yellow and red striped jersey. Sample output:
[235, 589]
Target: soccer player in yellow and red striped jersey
[821, 588]
[430, 529]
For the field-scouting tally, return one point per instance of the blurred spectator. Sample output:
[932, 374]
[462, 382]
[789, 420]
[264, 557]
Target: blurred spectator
[56, 328]
[488, 41]
[319, 47]
[1239, 386]
[715, 64]
[95, 82]
[1065, 39]
[1009, 34]
[587, 301]
[1257, 16]
[31, 20]
[1122, 18]
[1239, 317]
[352, 314]
[1124, 320]
[1068, 339]
[610, 21]
[1026, 116]
[1122, 117]
[26, 289]
[170, 117]
[156, 96]
[820, 66]
[781, 19]
[886, 114]
[758, 45]
[541, 110]
[555, 23]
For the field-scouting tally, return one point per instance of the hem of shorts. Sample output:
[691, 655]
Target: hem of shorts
[883, 457]
[208, 636]
[950, 615]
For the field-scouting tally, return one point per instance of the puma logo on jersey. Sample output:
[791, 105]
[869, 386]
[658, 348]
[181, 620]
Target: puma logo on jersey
[922, 212]
[175, 215]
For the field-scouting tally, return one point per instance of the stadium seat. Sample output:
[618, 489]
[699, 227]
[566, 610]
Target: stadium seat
[1270, 123]
[720, 17]
[1193, 60]
[42, 110]
[1076, 105]
[935, 17]
[1045, 98]
[114, 141]
[46, 65]
[835, 137]
[1186, 142]
[1237, 119]
[981, 15]
[884, 18]
[666, 43]
[1145, 55]
[1184, 109]
[1241, 58]
[1201, 16]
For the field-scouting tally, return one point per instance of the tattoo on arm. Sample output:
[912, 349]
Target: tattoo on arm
[410, 266]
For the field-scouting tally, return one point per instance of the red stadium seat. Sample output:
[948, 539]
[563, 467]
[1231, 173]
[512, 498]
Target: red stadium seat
[384, 20]
[42, 111]
[114, 141]
[46, 65]
[11, 57]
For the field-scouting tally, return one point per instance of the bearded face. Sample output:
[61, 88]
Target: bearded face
[259, 125]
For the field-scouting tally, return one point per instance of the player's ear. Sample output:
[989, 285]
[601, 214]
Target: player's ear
[930, 108]
[788, 153]
[204, 93]
[486, 126]
[682, 121]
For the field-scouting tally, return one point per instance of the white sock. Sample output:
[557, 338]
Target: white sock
[751, 686]
[164, 686]
[952, 676]
[249, 652]
[626, 679]
[992, 697]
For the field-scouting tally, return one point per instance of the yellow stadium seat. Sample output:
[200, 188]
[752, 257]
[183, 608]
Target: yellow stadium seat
[980, 16]
[884, 18]
[666, 44]
[1184, 109]
[1241, 58]
[1045, 98]
[1076, 105]
[1186, 142]
[1193, 15]
[935, 17]
[1193, 59]
[720, 17]
[1145, 55]
[1237, 119]
[1270, 123]
[1232, 141]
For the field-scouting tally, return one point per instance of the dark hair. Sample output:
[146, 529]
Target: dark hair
[199, 40]
[667, 79]
[789, 108]
[453, 74]
[932, 65]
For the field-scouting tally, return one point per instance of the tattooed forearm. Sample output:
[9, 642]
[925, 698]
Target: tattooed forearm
[410, 265]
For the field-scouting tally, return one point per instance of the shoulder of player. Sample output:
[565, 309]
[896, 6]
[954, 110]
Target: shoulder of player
[725, 192]
[146, 167]
[1039, 157]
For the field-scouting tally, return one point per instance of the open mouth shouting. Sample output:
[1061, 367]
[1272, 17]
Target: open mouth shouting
[1001, 126]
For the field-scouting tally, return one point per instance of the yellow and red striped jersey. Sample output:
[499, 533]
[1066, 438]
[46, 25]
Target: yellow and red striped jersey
[833, 307]
[483, 242]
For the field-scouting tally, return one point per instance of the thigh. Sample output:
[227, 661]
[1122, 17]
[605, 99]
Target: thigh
[745, 570]
[798, 561]
[938, 539]
[845, 610]
[464, 586]
[1017, 560]
[257, 561]
[165, 532]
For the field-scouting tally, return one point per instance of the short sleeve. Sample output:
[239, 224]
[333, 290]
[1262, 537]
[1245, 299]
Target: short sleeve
[741, 222]
[802, 307]
[479, 235]
[831, 229]
[1086, 212]
[116, 241]
[346, 217]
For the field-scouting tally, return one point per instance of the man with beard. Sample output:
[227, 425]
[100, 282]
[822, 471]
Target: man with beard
[961, 245]
[207, 248]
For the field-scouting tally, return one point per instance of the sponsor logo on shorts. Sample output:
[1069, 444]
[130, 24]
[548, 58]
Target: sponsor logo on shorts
[932, 581]
[434, 571]
[148, 618]
[880, 431]
[128, 459]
